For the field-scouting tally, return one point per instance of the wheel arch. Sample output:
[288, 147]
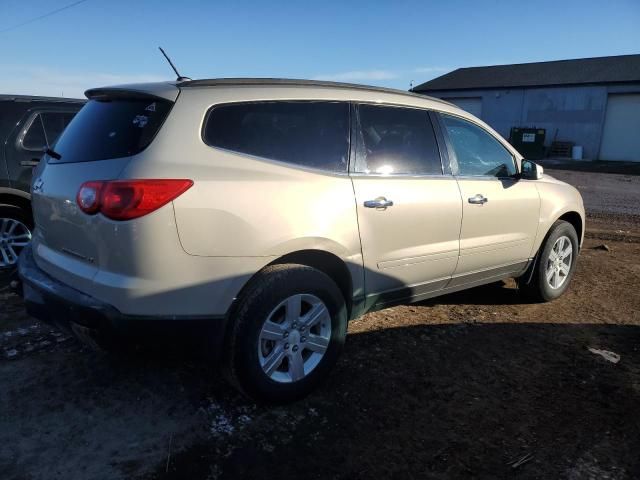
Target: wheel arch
[329, 264]
[575, 219]
[571, 216]
[18, 199]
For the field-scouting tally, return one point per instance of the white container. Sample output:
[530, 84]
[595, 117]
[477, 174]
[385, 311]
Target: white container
[576, 152]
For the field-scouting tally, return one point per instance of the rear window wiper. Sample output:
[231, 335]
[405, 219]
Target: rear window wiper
[52, 153]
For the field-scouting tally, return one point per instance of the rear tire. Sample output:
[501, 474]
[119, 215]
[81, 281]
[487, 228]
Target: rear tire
[554, 266]
[15, 222]
[288, 332]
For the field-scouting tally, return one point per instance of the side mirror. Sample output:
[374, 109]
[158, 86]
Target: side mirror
[530, 170]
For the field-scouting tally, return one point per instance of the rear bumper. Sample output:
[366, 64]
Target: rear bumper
[55, 303]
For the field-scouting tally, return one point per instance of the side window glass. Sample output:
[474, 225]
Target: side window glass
[35, 138]
[53, 125]
[67, 118]
[310, 134]
[477, 152]
[396, 140]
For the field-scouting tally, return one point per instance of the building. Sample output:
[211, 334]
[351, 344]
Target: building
[592, 102]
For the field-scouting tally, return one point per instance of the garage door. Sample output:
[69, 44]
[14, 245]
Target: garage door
[620, 136]
[471, 105]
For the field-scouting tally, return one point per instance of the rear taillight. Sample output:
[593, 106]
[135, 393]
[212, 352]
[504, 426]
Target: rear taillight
[128, 199]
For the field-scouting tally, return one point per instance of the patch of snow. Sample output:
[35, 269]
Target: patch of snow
[221, 425]
[244, 419]
[227, 421]
[606, 354]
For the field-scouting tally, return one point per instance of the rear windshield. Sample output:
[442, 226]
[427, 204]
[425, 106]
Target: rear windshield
[111, 128]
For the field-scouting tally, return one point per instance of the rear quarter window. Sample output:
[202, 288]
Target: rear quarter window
[45, 129]
[308, 134]
[35, 138]
[111, 128]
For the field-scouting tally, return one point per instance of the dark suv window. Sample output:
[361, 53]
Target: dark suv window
[396, 140]
[54, 124]
[45, 129]
[477, 152]
[309, 134]
[35, 138]
[111, 128]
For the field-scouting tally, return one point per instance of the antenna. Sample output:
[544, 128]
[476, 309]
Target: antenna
[180, 77]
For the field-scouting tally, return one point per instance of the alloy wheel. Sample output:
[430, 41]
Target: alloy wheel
[559, 262]
[294, 338]
[14, 236]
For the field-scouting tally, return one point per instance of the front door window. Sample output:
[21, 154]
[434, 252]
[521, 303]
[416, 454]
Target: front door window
[476, 151]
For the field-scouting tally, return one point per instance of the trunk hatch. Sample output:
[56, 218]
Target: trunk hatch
[97, 145]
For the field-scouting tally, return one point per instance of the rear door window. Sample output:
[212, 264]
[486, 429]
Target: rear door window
[396, 141]
[111, 128]
[308, 134]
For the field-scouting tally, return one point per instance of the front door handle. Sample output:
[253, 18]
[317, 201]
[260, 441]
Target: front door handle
[478, 199]
[379, 202]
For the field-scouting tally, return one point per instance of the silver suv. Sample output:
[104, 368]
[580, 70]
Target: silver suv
[277, 210]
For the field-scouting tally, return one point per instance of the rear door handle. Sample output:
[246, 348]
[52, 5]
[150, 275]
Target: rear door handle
[379, 202]
[30, 163]
[478, 199]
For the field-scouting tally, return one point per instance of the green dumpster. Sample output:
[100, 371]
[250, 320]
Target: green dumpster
[528, 141]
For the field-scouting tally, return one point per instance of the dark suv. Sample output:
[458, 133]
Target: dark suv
[27, 125]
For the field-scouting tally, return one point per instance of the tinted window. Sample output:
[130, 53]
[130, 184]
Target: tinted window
[53, 125]
[396, 141]
[35, 138]
[310, 134]
[67, 118]
[478, 153]
[111, 128]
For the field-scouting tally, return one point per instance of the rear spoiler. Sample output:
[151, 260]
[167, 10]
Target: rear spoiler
[160, 90]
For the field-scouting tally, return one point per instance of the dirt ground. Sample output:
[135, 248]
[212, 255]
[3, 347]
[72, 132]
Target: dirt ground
[470, 385]
[605, 193]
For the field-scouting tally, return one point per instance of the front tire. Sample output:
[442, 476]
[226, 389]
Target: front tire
[287, 334]
[555, 265]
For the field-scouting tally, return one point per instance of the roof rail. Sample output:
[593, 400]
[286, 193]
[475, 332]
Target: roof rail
[217, 82]
[37, 98]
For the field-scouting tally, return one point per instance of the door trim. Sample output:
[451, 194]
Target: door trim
[504, 270]
[424, 291]
[401, 262]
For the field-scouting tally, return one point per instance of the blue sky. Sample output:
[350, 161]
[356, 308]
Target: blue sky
[101, 42]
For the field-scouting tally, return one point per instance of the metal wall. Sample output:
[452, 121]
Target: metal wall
[574, 113]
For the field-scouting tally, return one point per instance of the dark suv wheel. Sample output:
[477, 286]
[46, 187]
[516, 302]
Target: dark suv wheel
[15, 234]
[288, 332]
